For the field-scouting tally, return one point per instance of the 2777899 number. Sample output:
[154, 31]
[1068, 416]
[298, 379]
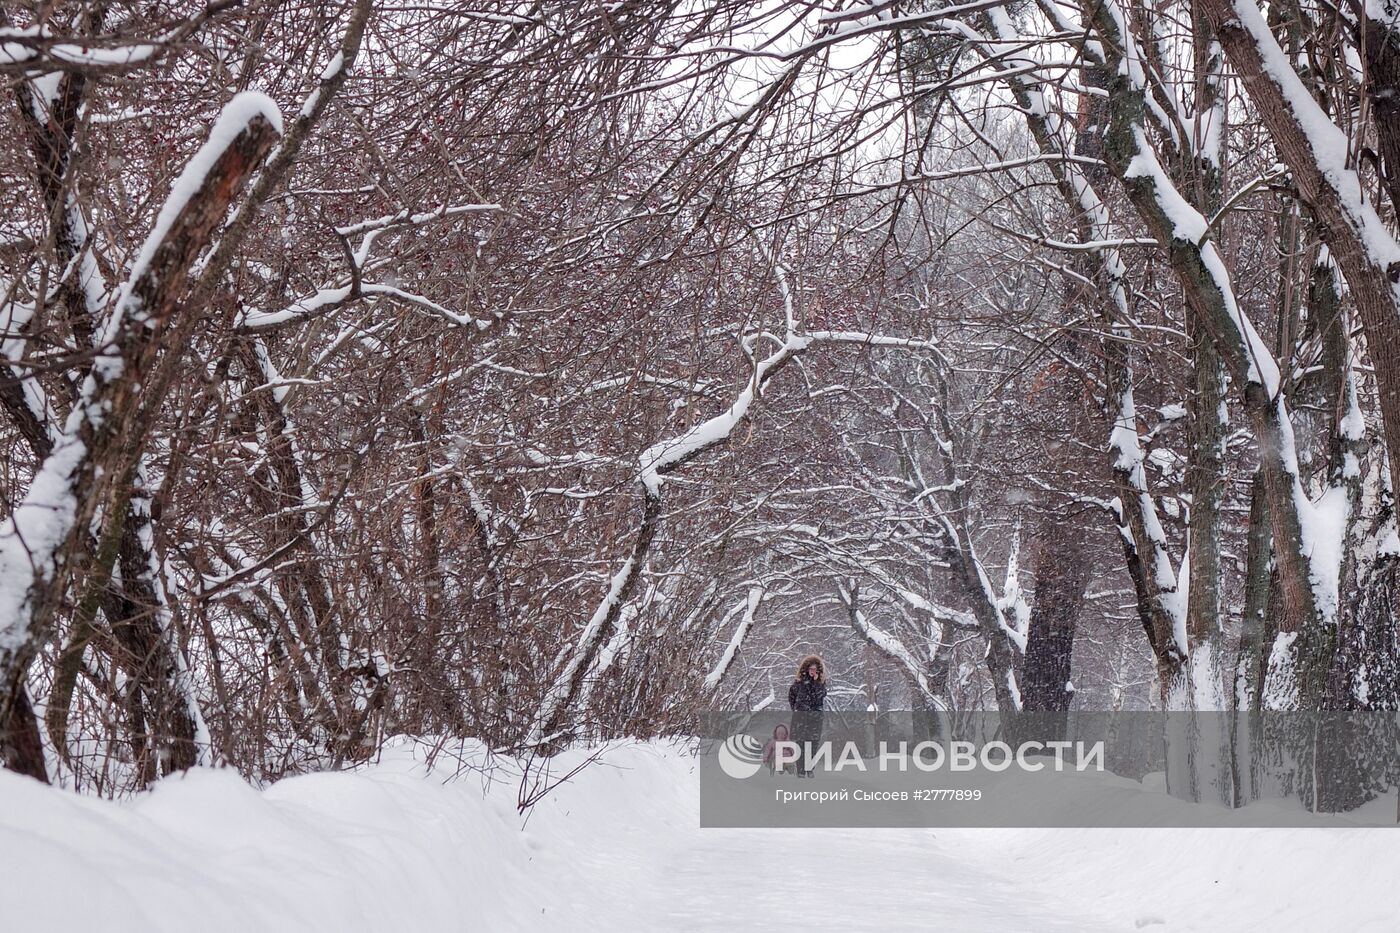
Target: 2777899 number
[930, 794]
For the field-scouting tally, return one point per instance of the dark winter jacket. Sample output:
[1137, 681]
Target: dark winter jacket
[807, 695]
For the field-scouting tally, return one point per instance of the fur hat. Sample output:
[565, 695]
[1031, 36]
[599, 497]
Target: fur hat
[808, 662]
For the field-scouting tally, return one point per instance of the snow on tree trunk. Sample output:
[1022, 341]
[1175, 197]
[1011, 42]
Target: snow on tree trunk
[92, 460]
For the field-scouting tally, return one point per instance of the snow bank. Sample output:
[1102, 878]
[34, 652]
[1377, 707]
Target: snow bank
[395, 846]
[400, 846]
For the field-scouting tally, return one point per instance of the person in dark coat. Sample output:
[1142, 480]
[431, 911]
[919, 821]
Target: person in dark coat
[807, 697]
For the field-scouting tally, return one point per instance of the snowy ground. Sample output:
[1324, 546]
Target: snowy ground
[617, 848]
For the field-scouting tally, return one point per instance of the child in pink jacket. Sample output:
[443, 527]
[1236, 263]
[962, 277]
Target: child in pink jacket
[770, 751]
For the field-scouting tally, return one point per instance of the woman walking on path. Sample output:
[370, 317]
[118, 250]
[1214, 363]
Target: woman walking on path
[806, 696]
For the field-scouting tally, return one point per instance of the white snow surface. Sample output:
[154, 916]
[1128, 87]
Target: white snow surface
[736, 641]
[237, 114]
[16, 52]
[235, 117]
[399, 846]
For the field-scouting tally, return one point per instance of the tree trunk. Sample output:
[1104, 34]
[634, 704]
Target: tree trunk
[20, 742]
[1357, 238]
[1062, 573]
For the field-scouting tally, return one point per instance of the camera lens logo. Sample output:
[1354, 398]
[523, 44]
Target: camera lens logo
[741, 756]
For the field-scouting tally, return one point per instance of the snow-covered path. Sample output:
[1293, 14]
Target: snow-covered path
[741, 879]
[400, 847]
[630, 834]
[655, 869]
